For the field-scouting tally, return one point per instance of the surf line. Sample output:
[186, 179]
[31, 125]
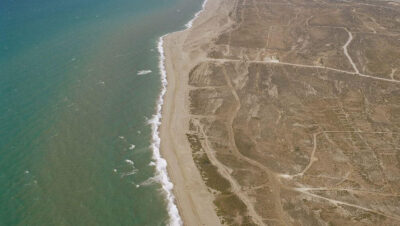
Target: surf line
[159, 162]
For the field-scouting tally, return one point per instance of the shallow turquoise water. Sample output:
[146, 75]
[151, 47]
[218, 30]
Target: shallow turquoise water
[72, 104]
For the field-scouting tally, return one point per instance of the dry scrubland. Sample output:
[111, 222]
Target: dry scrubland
[294, 113]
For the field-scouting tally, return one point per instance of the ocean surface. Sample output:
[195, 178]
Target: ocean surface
[79, 83]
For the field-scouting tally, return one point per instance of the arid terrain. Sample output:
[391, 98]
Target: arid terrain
[295, 113]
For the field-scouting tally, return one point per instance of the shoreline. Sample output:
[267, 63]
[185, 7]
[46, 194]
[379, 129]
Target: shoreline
[189, 24]
[159, 162]
[188, 192]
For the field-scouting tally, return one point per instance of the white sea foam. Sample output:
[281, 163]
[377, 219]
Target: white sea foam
[190, 23]
[133, 171]
[159, 162]
[150, 181]
[144, 72]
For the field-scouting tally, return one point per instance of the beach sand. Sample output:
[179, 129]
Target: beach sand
[183, 51]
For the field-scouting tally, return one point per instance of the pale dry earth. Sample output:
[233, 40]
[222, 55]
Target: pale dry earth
[286, 112]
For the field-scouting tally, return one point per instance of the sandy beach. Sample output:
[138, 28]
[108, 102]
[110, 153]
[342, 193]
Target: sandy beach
[182, 52]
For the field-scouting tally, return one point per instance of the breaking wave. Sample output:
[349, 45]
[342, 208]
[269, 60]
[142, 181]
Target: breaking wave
[144, 72]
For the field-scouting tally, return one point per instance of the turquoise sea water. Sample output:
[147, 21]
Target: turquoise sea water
[72, 106]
